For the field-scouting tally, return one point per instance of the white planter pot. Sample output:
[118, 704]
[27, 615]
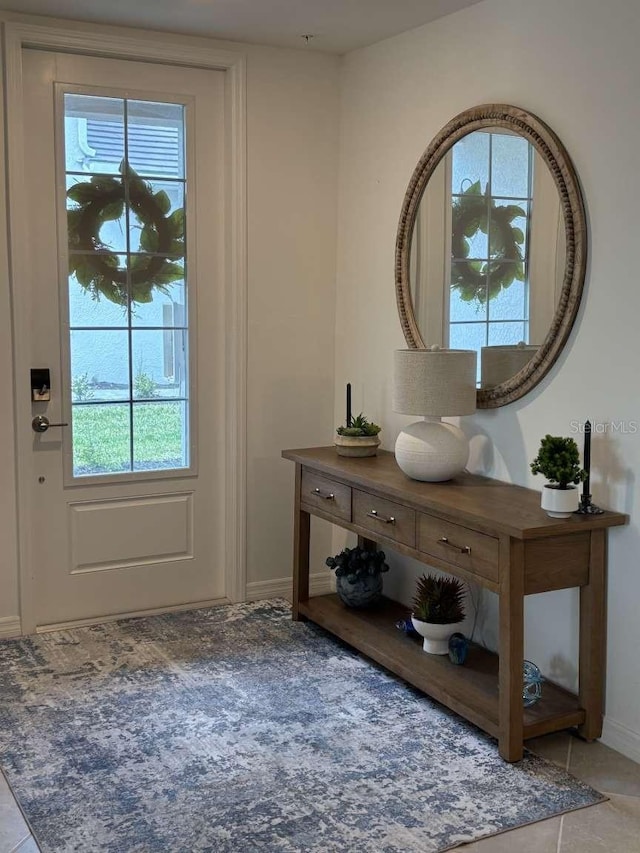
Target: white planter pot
[436, 637]
[560, 503]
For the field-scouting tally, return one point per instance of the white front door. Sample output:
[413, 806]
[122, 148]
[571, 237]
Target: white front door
[123, 213]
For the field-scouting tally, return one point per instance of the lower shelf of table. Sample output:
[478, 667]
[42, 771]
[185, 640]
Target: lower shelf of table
[470, 690]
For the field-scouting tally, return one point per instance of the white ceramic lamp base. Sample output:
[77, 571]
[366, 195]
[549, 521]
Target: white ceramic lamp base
[432, 450]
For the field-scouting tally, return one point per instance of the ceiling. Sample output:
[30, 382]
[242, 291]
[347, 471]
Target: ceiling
[337, 26]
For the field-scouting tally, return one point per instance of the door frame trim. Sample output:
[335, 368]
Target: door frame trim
[106, 43]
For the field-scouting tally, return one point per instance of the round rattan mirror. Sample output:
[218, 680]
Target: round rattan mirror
[492, 246]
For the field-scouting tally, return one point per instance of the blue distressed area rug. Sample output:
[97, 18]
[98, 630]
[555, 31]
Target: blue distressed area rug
[236, 729]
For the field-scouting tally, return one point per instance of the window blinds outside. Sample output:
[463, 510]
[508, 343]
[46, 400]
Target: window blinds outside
[155, 149]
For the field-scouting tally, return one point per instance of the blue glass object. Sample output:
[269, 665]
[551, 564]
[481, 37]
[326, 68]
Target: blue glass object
[532, 689]
[458, 648]
[406, 625]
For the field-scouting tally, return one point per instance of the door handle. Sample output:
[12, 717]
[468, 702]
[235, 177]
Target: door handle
[41, 424]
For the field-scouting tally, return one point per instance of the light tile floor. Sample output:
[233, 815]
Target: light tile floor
[611, 827]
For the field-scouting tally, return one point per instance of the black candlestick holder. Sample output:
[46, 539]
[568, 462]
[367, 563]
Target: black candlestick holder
[588, 508]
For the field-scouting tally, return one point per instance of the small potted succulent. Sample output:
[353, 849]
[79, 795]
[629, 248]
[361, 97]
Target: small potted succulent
[438, 606]
[559, 461]
[359, 437]
[358, 575]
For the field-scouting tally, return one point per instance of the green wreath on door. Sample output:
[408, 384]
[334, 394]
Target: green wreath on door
[103, 199]
[473, 211]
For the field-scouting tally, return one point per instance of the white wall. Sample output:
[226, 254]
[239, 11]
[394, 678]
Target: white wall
[292, 161]
[293, 108]
[574, 63]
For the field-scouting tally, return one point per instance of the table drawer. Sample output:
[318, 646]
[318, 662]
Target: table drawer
[326, 494]
[476, 552]
[384, 518]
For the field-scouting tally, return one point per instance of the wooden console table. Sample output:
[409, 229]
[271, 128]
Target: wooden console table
[488, 532]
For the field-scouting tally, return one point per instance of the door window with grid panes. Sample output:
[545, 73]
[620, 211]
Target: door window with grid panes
[126, 184]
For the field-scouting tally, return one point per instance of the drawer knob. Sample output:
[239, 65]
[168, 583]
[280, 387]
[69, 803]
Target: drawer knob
[464, 550]
[373, 514]
[327, 496]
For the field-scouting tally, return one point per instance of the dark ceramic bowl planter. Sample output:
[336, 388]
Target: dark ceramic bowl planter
[358, 575]
[363, 593]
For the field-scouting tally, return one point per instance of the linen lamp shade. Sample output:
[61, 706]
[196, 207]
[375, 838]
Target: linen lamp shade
[436, 382]
[497, 364]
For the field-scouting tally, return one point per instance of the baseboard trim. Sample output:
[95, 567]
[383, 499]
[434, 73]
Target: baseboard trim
[156, 611]
[10, 626]
[621, 738]
[320, 583]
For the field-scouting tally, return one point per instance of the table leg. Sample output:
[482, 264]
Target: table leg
[367, 544]
[593, 639]
[301, 542]
[510, 714]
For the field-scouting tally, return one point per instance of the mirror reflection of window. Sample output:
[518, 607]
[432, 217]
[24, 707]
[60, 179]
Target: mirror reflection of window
[490, 199]
[488, 226]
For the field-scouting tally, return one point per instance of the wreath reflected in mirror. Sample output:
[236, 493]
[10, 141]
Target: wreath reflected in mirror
[158, 262]
[474, 211]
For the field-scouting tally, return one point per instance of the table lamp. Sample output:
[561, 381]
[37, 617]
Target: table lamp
[499, 363]
[435, 383]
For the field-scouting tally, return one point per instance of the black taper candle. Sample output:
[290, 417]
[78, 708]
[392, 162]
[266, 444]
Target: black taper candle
[348, 404]
[586, 459]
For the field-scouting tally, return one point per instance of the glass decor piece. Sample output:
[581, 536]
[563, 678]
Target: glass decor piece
[126, 184]
[532, 687]
[458, 648]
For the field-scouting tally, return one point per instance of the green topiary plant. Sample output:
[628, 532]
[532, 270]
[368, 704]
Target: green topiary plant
[359, 426]
[439, 600]
[354, 564]
[559, 461]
